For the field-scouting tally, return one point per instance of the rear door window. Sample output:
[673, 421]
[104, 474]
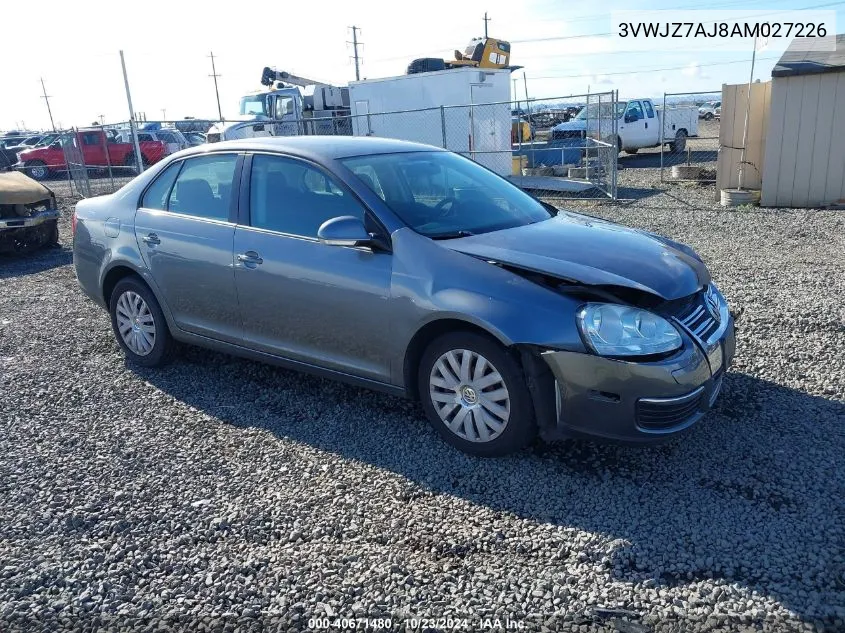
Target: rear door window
[157, 193]
[204, 187]
[648, 109]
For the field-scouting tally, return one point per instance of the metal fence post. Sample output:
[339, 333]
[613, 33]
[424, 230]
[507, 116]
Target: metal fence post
[108, 159]
[133, 128]
[614, 157]
[662, 128]
[443, 125]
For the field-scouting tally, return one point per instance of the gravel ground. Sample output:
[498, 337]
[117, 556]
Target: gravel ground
[220, 492]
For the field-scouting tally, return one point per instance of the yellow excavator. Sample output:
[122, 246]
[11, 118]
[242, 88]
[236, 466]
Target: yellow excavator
[481, 52]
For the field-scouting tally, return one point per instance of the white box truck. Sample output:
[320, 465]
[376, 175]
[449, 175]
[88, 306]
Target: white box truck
[408, 107]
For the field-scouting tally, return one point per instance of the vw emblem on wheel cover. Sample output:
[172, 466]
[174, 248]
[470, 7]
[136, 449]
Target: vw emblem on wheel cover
[469, 395]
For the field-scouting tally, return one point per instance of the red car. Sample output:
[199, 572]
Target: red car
[39, 162]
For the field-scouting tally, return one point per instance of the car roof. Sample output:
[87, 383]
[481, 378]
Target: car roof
[327, 147]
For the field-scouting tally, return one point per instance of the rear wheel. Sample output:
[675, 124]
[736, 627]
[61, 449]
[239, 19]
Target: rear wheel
[475, 396]
[37, 170]
[632, 151]
[680, 143]
[138, 323]
[130, 162]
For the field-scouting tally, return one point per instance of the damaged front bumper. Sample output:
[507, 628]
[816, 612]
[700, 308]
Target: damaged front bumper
[25, 222]
[631, 401]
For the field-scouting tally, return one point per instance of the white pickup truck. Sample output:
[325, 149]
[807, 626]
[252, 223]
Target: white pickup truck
[638, 124]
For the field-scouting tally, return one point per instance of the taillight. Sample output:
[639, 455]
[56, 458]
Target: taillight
[73, 223]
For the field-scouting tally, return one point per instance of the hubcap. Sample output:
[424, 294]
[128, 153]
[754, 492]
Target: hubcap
[38, 171]
[135, 323]
[469, 395]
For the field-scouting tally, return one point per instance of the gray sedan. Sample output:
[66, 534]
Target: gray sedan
[412, 270]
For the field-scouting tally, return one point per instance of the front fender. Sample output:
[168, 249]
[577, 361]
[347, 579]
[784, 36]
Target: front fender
[431, 283]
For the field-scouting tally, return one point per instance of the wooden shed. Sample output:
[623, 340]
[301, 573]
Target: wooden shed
[804, 160]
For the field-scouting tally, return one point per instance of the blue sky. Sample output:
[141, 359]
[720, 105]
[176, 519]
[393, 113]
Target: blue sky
[167, 43]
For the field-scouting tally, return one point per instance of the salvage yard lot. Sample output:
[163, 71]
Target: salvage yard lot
[218, 489]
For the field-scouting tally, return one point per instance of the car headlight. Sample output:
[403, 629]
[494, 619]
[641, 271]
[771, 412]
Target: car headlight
[617, 330]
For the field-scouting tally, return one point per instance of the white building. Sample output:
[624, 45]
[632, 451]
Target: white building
[448, 108]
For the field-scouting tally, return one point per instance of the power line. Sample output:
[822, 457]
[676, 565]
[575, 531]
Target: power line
[533, 40]
[46, 98]
[640, 70]
[216, 91]
[355, 43]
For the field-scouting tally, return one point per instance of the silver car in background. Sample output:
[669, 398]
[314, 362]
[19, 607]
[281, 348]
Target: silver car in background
[412, 270]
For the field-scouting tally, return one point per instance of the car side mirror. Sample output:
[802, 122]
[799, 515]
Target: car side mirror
[345, 230]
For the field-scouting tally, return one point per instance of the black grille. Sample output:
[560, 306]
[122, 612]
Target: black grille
[657, 415]
[697, 319]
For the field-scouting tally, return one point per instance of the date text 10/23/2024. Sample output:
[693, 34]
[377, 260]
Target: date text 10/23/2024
[415, 623]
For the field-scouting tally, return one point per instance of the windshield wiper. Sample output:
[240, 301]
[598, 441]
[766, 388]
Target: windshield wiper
[451, 235]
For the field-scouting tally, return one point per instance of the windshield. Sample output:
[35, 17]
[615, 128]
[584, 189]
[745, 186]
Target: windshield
[444, 195]
[254, 104]
[601, 111]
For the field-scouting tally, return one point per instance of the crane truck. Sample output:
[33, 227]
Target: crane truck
[289, 106]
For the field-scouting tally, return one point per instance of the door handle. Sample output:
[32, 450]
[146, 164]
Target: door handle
[151, 239]
[250, 257]
[646, 125]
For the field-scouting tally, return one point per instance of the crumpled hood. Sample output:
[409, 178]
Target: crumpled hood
[593, 252]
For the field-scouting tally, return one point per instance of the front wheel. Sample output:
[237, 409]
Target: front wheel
[474, 394]
[138, 323]
[37, 170]
[708, 116]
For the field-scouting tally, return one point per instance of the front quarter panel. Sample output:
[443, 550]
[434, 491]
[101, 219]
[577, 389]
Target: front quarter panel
[432, 283]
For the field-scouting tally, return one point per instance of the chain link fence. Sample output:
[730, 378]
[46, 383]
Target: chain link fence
[694, 159]
[100, 159]
[562, 148]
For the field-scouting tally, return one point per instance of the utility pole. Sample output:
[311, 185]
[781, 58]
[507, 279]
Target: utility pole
[164, 114]
[46, 98]
[355, 56]
[486, 20]
[139, 161]
[102, 118]
[216, 92]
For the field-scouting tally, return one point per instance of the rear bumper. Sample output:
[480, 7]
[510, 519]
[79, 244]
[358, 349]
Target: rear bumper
[636, 402]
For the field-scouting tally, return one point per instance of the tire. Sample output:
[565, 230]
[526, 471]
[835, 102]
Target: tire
[508, 421]
[680, 143]
[708, 116]
[632, 151]
[53, 238]
[37, 170]
[426, 65]
[130, 161]
[124, 305]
